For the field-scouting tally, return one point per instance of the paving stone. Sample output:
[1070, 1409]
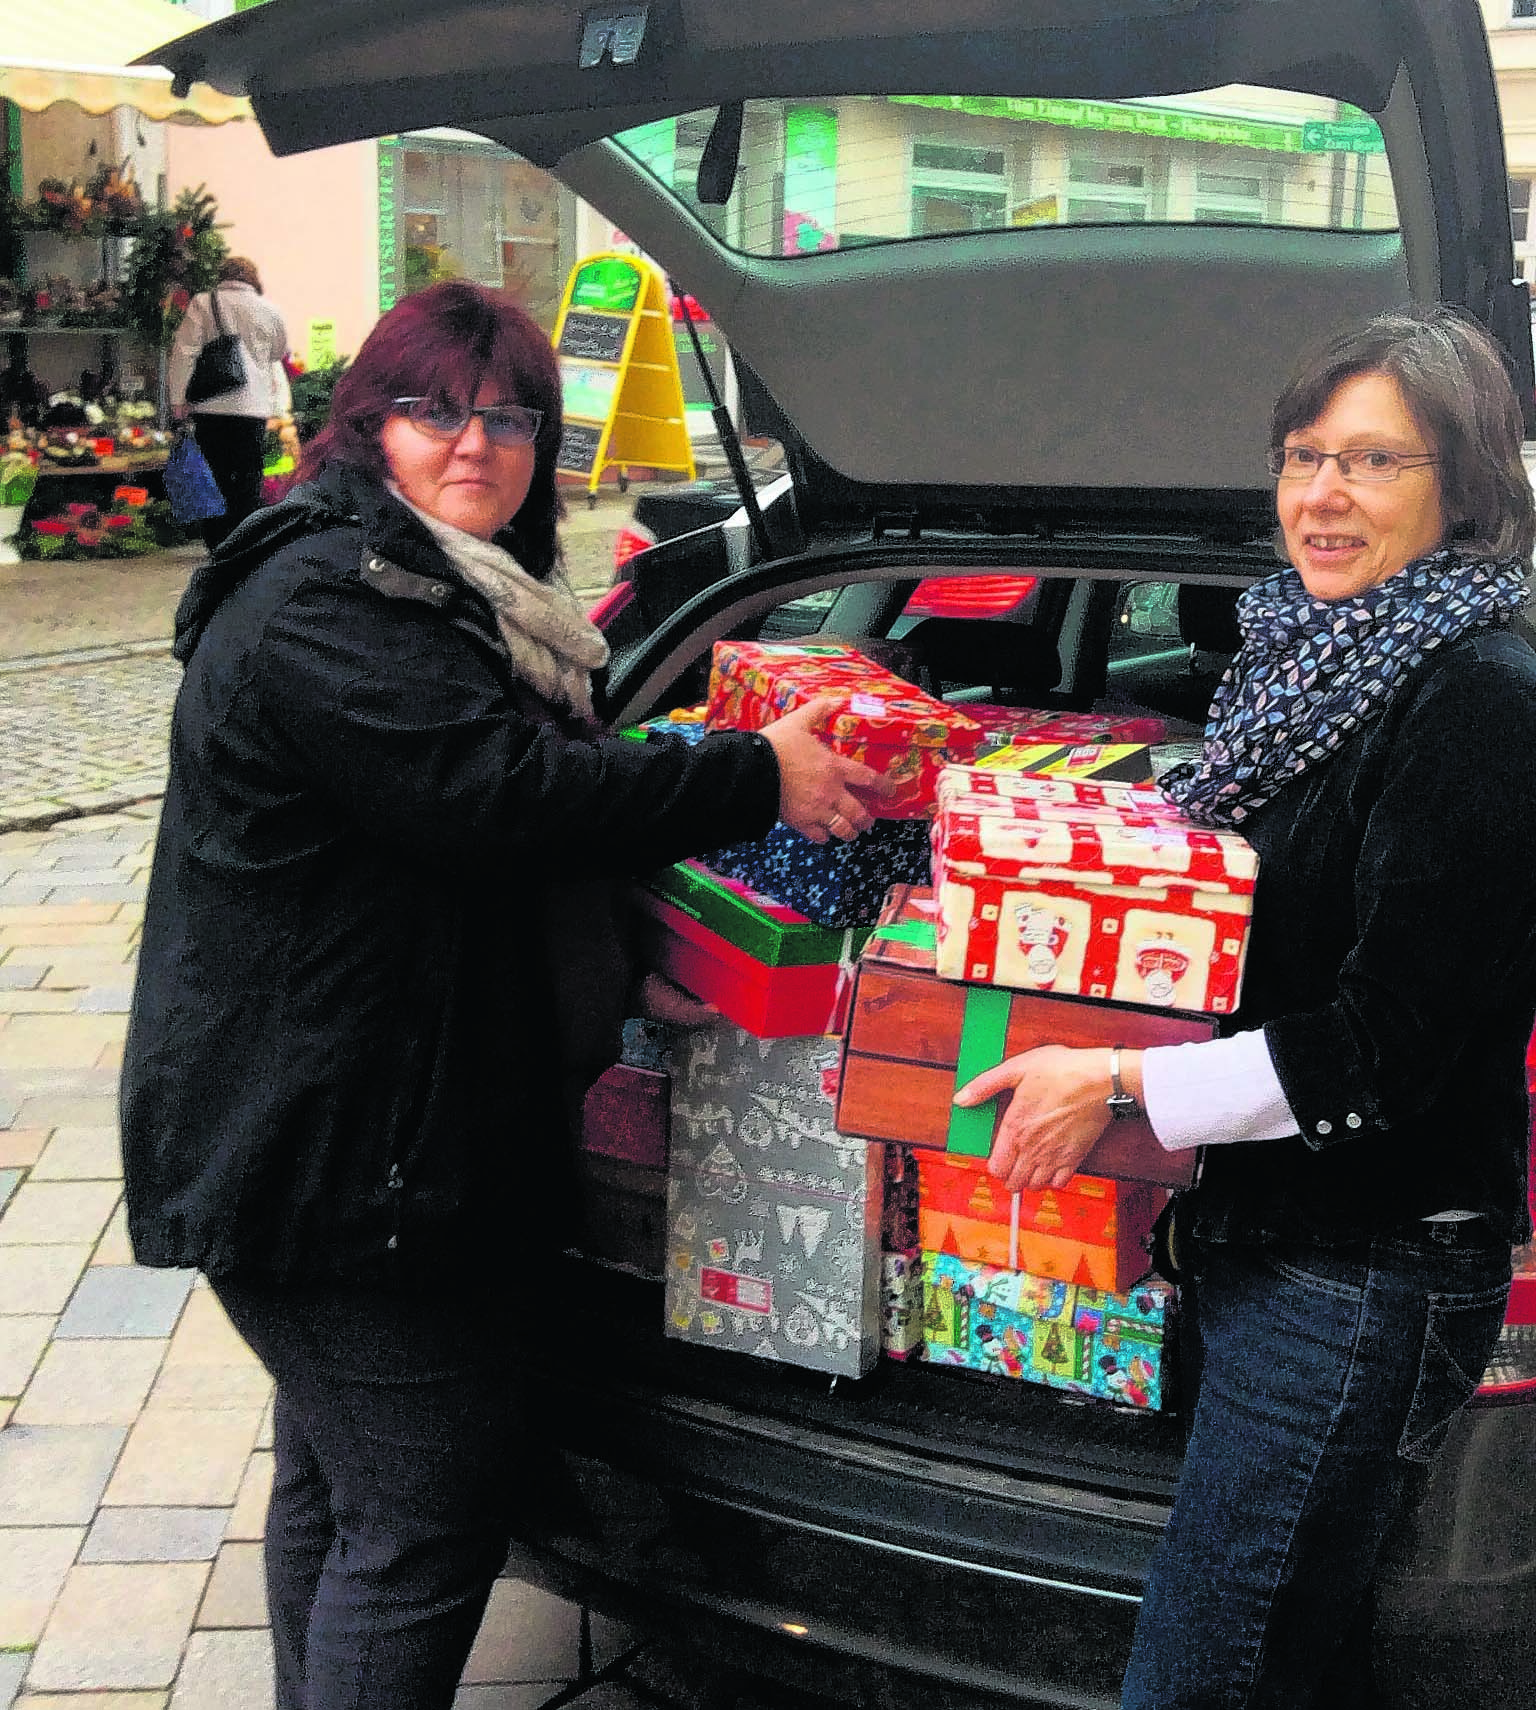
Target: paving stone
[96, 1701]
[24, 891]
[7, 1408]
[205, 1336]
[155, 1535]
[229, 1670]
[91, 1383]
[13, 1670]
[124, 890]
[108, 1000]
[10, 1180]
[39, 1279]
[23, 1336]
[118, 1626]
[237, 1592]
[33, 1563]
[21, 1147]
[81, 1154]
[53, 1475]
[527, 1634]
[48, 914]
[57, 1041]
[40, 1001]
[126, 1300]
[114, 1247]
[185, 1457]
[20, 976]
[48, 1213]
[248, 1520]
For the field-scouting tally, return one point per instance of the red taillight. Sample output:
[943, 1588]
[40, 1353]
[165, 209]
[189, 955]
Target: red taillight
[968, 596]
[611, 604]
[1510, 1375]
[632, 539]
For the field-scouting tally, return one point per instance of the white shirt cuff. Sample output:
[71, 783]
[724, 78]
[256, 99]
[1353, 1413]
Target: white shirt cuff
[1214, 1091]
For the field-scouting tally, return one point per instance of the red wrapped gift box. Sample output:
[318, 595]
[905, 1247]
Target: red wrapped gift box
[771, 1002]
[888, 724]
[1092, 1231]
[1041, 724]
[1098, 890]
[627, 1114]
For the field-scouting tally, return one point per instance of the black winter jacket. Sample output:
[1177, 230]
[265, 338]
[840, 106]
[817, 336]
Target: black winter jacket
[1393, 966]
[340, 1056]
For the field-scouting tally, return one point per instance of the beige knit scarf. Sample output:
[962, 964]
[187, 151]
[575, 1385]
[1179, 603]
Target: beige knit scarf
[554, 647]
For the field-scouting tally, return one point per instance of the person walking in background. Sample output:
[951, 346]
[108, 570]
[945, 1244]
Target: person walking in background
[232, 428]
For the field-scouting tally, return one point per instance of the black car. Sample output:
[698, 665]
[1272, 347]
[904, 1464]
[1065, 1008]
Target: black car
[1013, 283]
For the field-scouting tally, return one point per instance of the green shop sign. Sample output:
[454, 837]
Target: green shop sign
[1342, 136]
[611, 285]
[1113, 116]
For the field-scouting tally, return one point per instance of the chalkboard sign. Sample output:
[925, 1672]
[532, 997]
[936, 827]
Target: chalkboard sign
[578, 446]
[594, 338]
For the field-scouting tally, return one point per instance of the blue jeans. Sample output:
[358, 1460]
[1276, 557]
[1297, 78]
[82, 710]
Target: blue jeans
[1329, 1382]
[402, 1455]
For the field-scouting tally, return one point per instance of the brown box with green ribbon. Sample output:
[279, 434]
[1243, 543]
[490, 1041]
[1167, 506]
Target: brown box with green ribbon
[913, 1039]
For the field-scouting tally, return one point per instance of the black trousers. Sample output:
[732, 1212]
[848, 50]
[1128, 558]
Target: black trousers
[400, 1451]
[233, 446]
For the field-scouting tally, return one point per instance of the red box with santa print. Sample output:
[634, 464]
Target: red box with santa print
[1094, 889]
[882, 720]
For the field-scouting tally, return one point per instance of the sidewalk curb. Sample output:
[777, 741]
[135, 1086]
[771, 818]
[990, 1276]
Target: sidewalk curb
[83, 656]
[52, 816]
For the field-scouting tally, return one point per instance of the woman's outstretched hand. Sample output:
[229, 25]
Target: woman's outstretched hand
[660, 1000]
[1056, 1113]
[821, 794]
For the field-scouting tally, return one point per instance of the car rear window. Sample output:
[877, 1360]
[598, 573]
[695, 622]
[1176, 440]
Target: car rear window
[823, 175]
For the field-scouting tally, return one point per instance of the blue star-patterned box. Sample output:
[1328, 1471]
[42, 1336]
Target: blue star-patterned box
[832, 883]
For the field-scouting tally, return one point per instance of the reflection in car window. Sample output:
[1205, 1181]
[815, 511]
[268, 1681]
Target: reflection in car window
[865, 169]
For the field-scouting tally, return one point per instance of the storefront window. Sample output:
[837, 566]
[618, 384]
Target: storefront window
[477, 212]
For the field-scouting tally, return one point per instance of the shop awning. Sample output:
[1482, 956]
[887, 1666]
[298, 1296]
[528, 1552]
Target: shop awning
[78, 50]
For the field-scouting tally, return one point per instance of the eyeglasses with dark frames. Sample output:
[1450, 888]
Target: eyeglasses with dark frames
[446, 418]
[1370, 463]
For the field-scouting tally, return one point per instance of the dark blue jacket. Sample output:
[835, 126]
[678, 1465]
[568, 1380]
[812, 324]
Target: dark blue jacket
[341, 1060]
[1393, 966]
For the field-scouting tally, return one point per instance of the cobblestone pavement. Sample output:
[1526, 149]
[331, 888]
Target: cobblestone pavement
[84, 733]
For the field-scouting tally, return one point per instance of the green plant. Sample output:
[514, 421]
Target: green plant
[426, 264]
[311, 390]
[177, 255]
[18, 477]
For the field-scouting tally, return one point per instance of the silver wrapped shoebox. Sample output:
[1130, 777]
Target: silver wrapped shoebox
[773, 1218]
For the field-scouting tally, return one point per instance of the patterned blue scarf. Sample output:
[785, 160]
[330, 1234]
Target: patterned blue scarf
[1311, 672]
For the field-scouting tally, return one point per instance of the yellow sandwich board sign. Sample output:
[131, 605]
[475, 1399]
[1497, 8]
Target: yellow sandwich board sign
[619, 379]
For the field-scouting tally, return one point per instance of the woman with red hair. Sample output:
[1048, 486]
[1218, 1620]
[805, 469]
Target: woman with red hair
[390, 832]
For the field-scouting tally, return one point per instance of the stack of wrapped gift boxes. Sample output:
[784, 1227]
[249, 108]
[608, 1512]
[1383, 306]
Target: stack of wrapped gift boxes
[775, 1223]
[824, 1200]
[1077, 911]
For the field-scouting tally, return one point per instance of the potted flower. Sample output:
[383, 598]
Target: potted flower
[18, 478]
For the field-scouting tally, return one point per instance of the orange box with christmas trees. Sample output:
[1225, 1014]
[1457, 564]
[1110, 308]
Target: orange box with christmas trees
[1093, 1231]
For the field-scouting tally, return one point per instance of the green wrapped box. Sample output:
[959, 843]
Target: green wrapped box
[769, 932]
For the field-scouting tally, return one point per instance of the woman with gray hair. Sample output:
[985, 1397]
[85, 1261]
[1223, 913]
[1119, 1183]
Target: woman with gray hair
[1364, 1121]
[231, 428]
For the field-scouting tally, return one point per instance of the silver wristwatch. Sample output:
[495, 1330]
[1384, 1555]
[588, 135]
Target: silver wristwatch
[1121, 1103]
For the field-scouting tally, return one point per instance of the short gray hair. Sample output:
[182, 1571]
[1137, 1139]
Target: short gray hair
[1457, 389]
